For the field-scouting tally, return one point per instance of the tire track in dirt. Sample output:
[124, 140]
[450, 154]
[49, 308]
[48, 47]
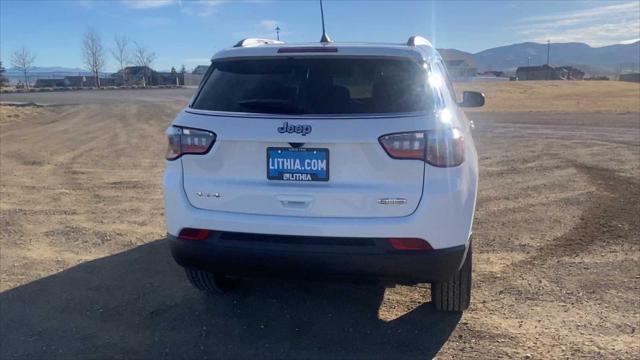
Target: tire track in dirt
[89, 177]
[110, 175]
[611, 217]
[557, 238]
[590, 272]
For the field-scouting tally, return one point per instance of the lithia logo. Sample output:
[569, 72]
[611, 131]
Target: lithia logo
[294, 129]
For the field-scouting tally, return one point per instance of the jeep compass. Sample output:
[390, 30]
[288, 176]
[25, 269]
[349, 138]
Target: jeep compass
[325, 160]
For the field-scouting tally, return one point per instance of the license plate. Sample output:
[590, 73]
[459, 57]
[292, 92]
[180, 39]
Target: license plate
[297, 164]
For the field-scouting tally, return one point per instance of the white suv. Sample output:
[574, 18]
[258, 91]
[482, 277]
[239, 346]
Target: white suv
[324, 160]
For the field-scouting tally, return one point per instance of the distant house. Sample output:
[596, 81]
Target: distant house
[492, 73]
[571, 73]
[200, 70]
[50, 83]
[79, 81]
[542, 72]
[546, 72]
[196, 76]
[145, 76]
[167, 78]
[135, 75]
[461, 69]
[86, 81]
[633, 77]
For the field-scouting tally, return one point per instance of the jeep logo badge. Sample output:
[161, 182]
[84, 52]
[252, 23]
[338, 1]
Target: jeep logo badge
[294, 129]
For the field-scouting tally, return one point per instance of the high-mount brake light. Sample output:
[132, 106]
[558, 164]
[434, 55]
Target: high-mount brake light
[440, 148]
[188, 141]
[314, 49]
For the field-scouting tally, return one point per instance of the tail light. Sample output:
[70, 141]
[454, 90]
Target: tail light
[188, 141]
[441, 148]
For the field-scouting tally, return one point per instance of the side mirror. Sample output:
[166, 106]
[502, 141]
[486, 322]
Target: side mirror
[472, 99]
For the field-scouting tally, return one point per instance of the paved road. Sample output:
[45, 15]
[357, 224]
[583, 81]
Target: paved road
[83, 97]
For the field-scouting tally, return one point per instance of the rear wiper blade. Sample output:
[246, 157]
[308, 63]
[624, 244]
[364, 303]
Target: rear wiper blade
[271, 106]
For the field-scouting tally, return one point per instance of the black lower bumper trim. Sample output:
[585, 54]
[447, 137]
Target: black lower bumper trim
[315, 258]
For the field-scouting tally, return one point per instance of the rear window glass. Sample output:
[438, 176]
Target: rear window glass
[316, 86]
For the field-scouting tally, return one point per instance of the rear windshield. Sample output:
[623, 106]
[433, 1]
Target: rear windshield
[316, 86]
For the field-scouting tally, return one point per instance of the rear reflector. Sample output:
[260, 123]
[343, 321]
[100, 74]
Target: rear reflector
[317, 49]
[193, 234]
[409, 244]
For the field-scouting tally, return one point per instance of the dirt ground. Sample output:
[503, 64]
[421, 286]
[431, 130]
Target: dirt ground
[12, 113]
[86, 273]
[558, 96]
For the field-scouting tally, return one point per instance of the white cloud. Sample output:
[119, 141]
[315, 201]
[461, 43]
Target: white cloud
[597, 26]
[630, 41]
[201, 8]
[146, 4]
[87, 4]
[151, 22]
[595, 12]
[197, 60]
[267, 29]
[268, 25]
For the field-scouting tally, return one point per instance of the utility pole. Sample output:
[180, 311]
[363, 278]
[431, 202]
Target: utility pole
[548, 50]
[548, 54]
[277, 32]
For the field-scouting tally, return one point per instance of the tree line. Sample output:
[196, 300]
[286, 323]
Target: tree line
[125, 52]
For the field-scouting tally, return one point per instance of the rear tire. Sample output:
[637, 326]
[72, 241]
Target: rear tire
[208, 282]
[455, 293]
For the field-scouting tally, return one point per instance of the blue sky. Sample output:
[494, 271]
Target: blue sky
[189, 32]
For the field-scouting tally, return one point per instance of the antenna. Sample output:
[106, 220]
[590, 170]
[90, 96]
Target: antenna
[325, 38]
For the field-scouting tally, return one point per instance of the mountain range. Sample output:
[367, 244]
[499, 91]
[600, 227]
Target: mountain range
[49, 69]
[606, 60]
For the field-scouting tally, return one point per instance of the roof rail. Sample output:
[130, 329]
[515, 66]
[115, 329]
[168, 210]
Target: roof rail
[418, 40]
[256, 42]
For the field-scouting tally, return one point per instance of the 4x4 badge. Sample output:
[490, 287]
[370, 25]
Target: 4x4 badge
[294, 129]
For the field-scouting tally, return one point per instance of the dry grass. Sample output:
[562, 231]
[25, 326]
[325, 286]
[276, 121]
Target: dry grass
[558, 96]
[12, 113]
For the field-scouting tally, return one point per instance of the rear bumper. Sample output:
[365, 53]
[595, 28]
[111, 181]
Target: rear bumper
[315, 257]
[444, 216]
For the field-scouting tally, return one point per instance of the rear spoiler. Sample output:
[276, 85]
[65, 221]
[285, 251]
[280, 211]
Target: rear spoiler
[415, 40]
